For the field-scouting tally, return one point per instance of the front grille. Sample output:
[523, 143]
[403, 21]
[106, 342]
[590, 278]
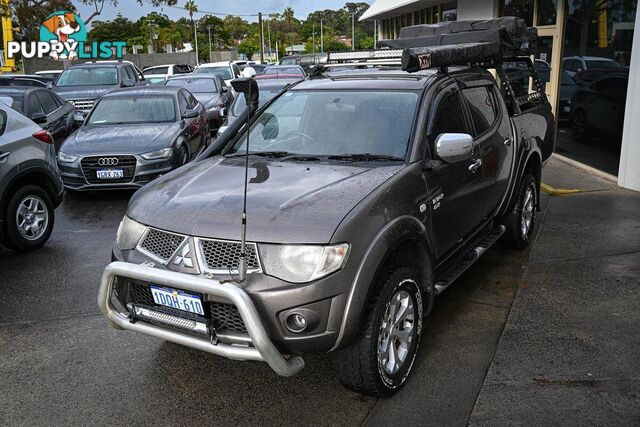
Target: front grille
[161, 244]
[224, 317]
[90, 166]
[83, 104]
[224, 256]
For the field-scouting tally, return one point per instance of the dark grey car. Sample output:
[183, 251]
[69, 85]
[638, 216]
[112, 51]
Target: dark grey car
[133, 136]
[30, 184]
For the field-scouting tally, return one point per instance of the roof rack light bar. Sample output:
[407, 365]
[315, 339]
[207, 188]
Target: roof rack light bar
[365, 55]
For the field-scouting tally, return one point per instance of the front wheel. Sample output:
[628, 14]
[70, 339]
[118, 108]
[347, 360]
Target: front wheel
[522, 219]
[29, 219]
[183, 155]
[380, 361]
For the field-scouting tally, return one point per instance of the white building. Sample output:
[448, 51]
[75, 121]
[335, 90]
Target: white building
[566, 28]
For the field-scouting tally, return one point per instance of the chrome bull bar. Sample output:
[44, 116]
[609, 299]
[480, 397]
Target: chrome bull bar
[262, 350]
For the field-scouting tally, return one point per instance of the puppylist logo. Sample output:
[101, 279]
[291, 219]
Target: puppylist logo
[63, 35]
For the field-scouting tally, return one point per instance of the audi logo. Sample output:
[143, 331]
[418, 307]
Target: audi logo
[108, 161]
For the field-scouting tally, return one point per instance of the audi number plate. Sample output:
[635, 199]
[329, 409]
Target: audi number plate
[177, 299]
[110, 174]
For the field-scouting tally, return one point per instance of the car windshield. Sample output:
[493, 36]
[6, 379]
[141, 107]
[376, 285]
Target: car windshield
[133, 109]
[284, 70]
[601, 63]
[372, 123]
[93, 76]
[156, 70]
[224, 72]
[239, 104]
[195, 85]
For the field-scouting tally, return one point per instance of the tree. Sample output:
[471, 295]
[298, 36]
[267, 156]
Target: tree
[28, 15]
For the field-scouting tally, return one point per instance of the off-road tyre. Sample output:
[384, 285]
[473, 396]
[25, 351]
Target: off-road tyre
[357, 366]
[13, 238]
[526, 205]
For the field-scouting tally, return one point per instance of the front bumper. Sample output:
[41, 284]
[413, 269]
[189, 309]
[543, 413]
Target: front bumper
[261, 347]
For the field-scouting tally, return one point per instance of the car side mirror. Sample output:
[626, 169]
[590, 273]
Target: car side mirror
[78, 117]
[225, 89]
[190, 114]
[454, 147]
[223, 112]
[49, 85]
[39, 118]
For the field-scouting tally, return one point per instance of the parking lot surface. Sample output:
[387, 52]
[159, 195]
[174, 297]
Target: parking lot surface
[568, 351]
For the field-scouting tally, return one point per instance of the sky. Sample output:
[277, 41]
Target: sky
[132, 9]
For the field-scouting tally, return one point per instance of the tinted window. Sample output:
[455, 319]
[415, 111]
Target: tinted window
[33, 105]
[449, 117]
[49, 105]
[482, 107]
[182, 102]
[191, 101]
[28, 82]
[205, 85]
[126, 110]
[130, 74]
[157, 70]
[93, 76]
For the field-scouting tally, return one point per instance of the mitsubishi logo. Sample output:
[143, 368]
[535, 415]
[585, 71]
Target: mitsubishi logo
[184, 260]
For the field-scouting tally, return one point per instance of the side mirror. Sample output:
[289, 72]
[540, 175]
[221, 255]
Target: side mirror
[225, 89]
[454, 147]
[78, 118]
[249, 87]
[39, 118]
[49, 85]
[190, 114]
[223, 112]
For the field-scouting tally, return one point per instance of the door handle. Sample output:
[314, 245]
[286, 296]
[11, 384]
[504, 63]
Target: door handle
[4, 155]
[473, 167]
[507, 141]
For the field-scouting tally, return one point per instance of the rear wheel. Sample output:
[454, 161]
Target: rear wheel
[522, 219]
[380, 361]
[30, 219]
[580, 127]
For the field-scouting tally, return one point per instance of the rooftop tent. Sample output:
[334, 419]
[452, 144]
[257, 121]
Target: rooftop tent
[463, 42]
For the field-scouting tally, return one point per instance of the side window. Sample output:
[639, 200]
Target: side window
[236, 70]
[33, 105]
[182, 102]
[482, 107]
[449, 117]
[191, 101]
[130, 75]
[49, 104]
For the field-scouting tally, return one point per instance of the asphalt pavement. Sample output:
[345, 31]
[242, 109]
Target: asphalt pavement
[483, 359]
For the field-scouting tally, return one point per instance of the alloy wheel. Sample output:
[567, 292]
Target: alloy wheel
[528, 208]
[32, 217]
[396, 332]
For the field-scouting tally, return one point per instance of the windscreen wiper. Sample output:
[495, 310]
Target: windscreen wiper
[274, 154]
[302, 157]
[365, 157]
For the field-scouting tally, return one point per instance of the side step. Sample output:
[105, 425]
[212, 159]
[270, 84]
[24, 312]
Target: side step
[468, 259]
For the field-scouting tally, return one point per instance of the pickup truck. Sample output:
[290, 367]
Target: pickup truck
[369, 192]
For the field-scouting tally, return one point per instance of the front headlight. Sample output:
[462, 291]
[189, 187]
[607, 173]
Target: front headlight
[129, 233]
[302, 263]
[165, 153]
[66, 158]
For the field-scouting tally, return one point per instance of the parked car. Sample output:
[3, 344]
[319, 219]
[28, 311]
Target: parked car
[306, 61]
[160, 73]
[24, 80]
[283, 72]
[133, 136]
[50, 74]
[30, 183]
[575, 64]
[226, 69]
[83, 84]
[597, 109]
[268, 89]
[369, 193]
[44, 108]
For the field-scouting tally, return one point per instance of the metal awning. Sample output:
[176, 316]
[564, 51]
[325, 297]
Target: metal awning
[386, 8]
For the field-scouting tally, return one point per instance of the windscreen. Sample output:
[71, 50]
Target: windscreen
[157, 70]
[372, 122]
[284, 70]
[93, 76]
[224, 72]
[195, 85]
[129, 110]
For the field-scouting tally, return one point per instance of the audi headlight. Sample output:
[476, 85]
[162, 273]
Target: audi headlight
[129, 233]
[302, 263]
[66, 158]
[165, 153]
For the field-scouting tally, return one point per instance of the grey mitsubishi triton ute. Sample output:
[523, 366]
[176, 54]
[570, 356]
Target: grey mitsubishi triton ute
[368, 192]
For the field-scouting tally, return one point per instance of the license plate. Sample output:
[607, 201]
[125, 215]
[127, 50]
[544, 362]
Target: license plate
[177, 299]
[567, 109]
[110, 174]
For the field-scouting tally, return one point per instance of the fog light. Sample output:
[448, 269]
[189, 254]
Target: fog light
[296, 322]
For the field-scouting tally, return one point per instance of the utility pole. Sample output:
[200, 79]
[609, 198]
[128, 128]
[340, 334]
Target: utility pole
[321, 37]
[269, 34]
[209, 30]
[195, 38]
[261, 38]
[353, 31]
[313, 35]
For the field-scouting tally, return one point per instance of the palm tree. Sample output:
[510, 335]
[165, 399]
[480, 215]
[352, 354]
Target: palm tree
[191, 7]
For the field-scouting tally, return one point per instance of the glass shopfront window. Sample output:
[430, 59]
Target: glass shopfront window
[520, 8]
[547, 12]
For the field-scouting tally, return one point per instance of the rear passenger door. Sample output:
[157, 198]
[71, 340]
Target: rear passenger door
[455, 190]
[492, 135]
[56, 124]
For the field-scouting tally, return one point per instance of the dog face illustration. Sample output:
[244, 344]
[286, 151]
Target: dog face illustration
[62, 25]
